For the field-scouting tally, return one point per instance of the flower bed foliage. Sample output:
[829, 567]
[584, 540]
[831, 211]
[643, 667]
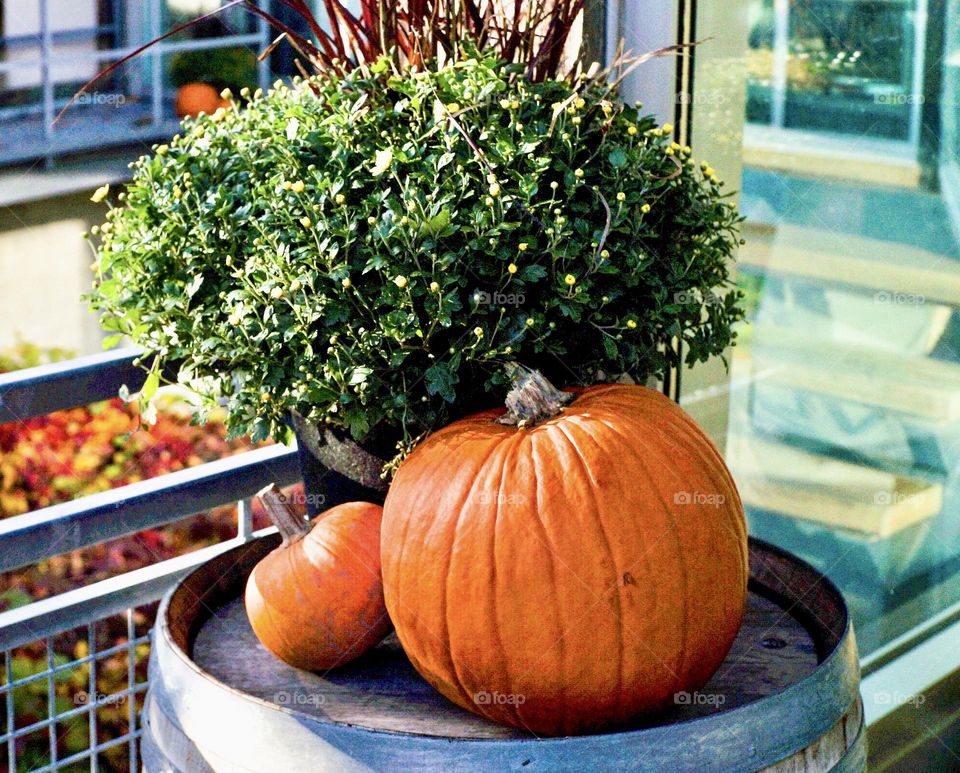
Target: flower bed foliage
[371, 249]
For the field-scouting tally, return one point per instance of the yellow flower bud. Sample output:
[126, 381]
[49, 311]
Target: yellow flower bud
[346, 283]
[621, 196]
[512, 268]
[100, 194]
[632, 324]
[298, 186]
[434, 287]
[631, 130]
[400, 281]
[339, 198]
[570, 280]
[306, 222]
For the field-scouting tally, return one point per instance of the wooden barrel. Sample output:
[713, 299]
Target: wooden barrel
[786, 699]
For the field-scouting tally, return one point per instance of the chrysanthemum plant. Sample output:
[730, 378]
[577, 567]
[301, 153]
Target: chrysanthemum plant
[371, 245]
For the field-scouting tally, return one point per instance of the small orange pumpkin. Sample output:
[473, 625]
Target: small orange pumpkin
[195, 98]
[316, 602]
[572, 574]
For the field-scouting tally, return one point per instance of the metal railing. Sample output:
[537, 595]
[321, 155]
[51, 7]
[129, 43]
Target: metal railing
[29, 129]
[32, 537]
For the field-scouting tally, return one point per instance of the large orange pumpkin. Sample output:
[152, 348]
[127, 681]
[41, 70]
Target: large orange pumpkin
[316, 602]
[569, 575]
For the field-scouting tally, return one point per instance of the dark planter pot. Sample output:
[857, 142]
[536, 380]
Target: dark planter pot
[335, 468]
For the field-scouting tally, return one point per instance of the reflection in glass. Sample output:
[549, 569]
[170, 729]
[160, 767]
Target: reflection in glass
[845, 412]
[834, 65]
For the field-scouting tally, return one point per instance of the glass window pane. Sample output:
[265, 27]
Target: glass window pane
[844, 414]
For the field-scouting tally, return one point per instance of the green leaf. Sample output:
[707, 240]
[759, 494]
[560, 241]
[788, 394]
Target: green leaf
[359, 375]
[437, 223]
[150, 386]
[194, 285]
[617, 158]
[110, 341]
[440, 381]
[610, 347]
[533, 273]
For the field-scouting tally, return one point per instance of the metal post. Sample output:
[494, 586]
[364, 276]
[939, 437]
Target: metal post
[46, 52]
[11, 717]
[781, 59]
[156, 63]
[51, 705]
[263, 67]
[244, 519]
[92, 697]
[131, 684]
[920, 19]
[613, 28]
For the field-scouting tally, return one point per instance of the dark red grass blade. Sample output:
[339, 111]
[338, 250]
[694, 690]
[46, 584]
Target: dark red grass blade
[304, 10]
[361, 38]
[304, 46]
[106, 71]
[547, 59]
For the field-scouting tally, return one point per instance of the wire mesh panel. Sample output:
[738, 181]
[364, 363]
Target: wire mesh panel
[72, 700]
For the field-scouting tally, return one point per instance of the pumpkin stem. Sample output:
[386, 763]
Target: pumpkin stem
[532, 399]
[291, 526]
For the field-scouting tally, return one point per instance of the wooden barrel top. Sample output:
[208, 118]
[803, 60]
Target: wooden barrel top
[790, 679]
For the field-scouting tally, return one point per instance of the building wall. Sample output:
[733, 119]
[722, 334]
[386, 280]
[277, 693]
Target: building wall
[44, 269]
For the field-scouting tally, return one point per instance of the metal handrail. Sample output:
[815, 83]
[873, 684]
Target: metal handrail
[91, 520]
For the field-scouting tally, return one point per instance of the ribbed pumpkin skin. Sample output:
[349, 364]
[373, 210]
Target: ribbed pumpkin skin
[553, 564]
[318, 603]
